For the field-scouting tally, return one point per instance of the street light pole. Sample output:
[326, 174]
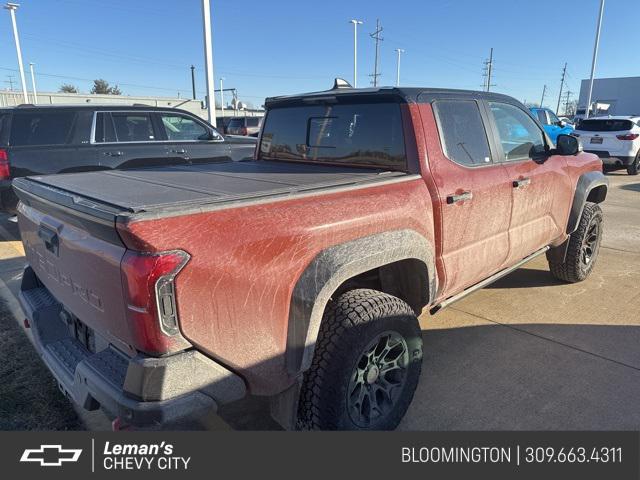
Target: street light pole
[222, 95]
[355, 51]
[12, 7]
[399, 50]
[193, 82]
[593, 61]
[208, 62]
[33, 84]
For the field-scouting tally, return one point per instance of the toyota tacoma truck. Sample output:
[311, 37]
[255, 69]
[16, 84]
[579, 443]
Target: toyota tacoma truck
[161, 292]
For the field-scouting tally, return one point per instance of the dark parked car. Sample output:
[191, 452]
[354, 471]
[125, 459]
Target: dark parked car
[38, 140]
[247, 126]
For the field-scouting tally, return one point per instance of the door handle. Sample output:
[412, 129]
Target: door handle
[50, 239]
[459, 198]
[523, 182]
[178, 150]
[114, 154]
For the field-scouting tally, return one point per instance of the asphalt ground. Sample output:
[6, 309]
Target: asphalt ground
[526, 353]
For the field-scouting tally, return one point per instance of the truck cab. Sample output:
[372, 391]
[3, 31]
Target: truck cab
[551, 123]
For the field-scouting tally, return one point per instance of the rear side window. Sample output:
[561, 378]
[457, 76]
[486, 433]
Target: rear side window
[356, 134]
[41, 128]
[4, 120]
[235, 123]
[605, 125]
[133, 127]
[104, 131]
[462, 132]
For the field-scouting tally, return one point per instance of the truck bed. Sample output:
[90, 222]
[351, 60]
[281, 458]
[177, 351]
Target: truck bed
[170, 188]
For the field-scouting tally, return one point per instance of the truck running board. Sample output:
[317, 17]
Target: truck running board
[485, 282]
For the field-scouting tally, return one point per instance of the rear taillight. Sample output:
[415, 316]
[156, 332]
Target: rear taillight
[5, 174]
[628, 136]
[244, 131]
[149, 283]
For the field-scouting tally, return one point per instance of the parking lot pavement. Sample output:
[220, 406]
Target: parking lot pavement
[528, 352]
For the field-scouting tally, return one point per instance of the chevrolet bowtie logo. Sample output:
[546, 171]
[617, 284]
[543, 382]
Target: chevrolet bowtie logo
[50, 455]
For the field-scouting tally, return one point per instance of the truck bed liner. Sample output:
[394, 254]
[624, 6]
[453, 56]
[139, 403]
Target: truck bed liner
[171, 187]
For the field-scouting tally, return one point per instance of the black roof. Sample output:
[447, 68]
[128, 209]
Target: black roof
[407, 94]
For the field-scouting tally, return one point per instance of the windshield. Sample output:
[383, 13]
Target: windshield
[350, 134]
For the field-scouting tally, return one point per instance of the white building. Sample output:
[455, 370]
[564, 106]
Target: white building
[622, 94]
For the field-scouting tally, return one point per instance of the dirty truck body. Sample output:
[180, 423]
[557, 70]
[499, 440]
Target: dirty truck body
[163, 292]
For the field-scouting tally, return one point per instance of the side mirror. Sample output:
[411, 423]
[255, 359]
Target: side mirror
[562, 123]
[568, 145]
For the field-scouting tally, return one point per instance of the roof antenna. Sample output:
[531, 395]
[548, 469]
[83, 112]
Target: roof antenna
[339, 83]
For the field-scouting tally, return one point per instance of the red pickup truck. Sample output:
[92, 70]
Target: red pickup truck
[163, 292]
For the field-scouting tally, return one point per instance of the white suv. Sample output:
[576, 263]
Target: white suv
[616, 140]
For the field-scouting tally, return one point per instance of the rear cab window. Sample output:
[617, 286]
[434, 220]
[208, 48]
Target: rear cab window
[42, 128]
[462, 132]
[358, 134]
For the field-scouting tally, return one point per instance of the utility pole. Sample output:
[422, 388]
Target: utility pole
[400, 51]
[487, 72]
[222, 96]
[566, 102]
[564, 71]
[193, 82]
[10, 82]
[208, 62]
[376, 36]
[33, 84]
[544, 91]
[12, 7]
[593, 61]
[355, 50]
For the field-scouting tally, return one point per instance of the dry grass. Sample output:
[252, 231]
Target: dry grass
[29, 396]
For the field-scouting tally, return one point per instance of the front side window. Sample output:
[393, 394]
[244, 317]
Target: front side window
[358, 134]
[180, 127]
[4, 120]
[542, 116]
[520, 137]
[133, 127]
[553, 120]
[462, 133]
[41, 128]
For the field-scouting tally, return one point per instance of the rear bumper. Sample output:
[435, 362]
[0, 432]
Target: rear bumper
[611, 158]
[141, 390]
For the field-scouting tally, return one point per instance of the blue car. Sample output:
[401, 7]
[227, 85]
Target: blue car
[551, 123]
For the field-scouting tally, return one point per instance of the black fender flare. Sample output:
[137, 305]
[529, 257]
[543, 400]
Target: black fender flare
[330, 269]
[586, 183]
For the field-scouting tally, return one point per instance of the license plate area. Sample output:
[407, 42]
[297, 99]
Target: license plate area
[80, 331]
[597, 140]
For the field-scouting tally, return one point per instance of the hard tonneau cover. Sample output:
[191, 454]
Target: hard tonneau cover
[174, 188]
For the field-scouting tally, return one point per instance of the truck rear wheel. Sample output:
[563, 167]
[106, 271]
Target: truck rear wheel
[366, 364]
[584, 245]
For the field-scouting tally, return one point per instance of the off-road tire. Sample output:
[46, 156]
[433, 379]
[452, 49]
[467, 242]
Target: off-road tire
[350, 324]
[574, 269]
[634, 167]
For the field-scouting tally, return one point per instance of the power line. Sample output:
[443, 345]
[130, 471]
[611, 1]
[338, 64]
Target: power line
[376, 36]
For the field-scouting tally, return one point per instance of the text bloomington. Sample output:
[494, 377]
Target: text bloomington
[456, 455]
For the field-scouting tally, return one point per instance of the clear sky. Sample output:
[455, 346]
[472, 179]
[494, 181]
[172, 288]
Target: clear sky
[266, 48]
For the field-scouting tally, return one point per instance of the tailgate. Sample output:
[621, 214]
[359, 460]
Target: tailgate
[77, 258]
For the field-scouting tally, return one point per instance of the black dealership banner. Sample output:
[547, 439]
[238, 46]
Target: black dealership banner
[496, 455]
